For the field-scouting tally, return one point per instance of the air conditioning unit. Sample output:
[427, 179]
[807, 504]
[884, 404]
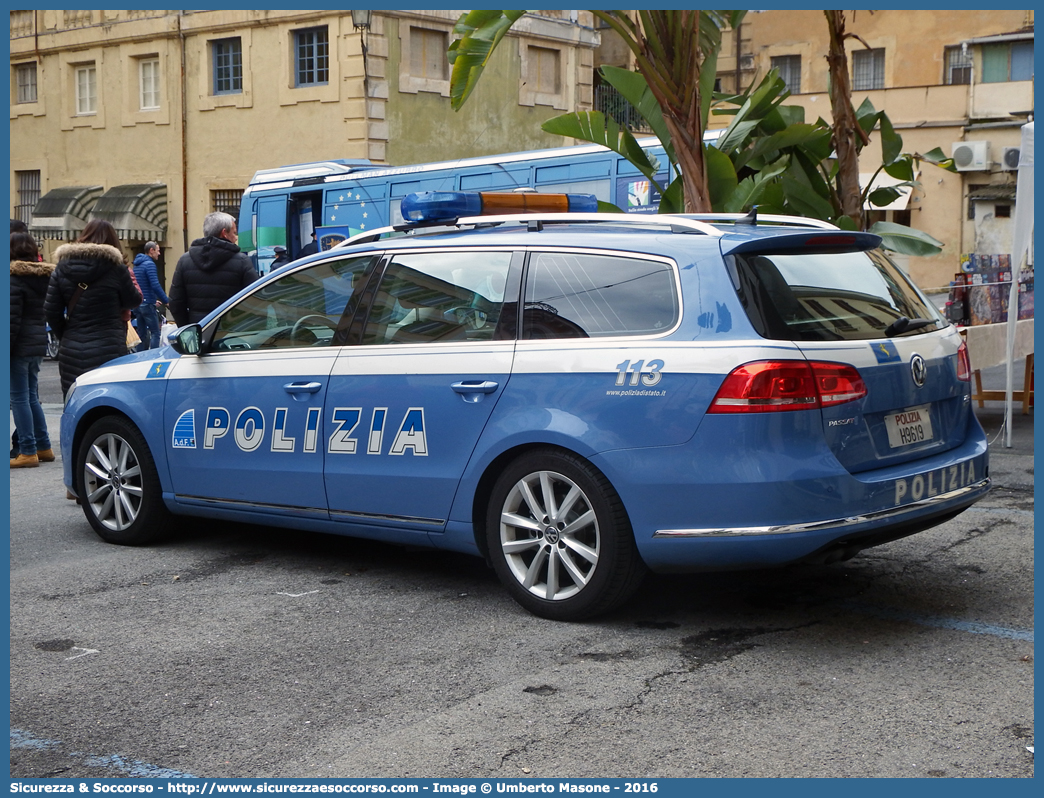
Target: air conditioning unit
[971, 156]
[1010, 159]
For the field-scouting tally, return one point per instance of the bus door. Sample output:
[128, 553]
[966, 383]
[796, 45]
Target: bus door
[268, 229]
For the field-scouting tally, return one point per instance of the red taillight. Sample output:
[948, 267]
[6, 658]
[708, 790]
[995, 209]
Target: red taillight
[963, 363]
[770, 385]
[838, 383]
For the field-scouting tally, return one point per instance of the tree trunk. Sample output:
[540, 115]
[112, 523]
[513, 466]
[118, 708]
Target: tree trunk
[682, 116]
[688, 149]
[846, 128]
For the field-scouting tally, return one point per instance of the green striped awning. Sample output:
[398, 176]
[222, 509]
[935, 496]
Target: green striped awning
[62, 213]
[138, 211]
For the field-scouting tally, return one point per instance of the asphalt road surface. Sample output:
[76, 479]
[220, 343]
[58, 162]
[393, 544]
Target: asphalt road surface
[240, 651]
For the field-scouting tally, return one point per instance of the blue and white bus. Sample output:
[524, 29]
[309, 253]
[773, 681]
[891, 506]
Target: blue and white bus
[337, 199]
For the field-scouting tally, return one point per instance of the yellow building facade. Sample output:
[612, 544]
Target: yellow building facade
[958, 80]
[154, 118]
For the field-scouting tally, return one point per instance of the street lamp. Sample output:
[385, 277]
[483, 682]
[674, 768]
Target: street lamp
[360, 19]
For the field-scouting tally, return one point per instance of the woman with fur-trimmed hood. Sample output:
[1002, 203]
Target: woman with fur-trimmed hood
[29, 280]
[94, 330]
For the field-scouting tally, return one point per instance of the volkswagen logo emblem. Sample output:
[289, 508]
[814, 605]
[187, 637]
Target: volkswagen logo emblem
[919, 370]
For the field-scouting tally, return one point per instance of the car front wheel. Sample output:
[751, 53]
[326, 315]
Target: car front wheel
[118, 486]
[560, 539]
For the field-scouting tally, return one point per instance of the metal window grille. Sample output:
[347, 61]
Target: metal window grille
[221, 199]
[958, 66]
[86, 90]
[313, 56]
[789, 67]
[611, 103]
[228, 65]
[868, 69]
[149, 80]
[28, 194]
[26, 76]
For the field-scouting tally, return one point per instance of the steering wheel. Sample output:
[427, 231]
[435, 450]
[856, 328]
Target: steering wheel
[299, 325]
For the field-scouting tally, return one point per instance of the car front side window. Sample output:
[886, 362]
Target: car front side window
[305, 308]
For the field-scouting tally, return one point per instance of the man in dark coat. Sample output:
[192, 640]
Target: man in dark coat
[213, 270]
[282, 257]
[309, 249]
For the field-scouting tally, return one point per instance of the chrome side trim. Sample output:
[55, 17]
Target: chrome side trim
[234, 504]
[834, 523]
[398, 519]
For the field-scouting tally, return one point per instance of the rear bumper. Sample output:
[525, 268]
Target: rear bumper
[721, 503]
[945, 501]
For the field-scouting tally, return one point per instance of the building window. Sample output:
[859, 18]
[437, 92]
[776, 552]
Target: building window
[228, 65]
[789, 67]
[958, 62]
[428, 54]
[28, 194]
[226, 200]
[312, 48]
[1002, 211]
[868, 69]
[1008, 61]
[149, 82]
[86, 90]
[25, 77]
[545, 70]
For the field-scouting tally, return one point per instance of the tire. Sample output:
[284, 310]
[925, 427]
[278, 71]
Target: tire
[118, 486]
[52, 346]
[560, 539]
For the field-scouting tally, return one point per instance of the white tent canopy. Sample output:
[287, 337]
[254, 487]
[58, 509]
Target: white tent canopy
[1021, 257]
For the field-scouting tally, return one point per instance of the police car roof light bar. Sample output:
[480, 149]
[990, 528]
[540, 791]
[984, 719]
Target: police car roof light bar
[427, 207]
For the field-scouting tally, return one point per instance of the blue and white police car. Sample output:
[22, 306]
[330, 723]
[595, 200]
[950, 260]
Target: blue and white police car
[577, 397]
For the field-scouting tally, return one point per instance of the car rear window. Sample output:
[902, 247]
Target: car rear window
[572, 295]
[828, 296]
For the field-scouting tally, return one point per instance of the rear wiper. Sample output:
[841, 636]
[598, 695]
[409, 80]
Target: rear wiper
[903, 324]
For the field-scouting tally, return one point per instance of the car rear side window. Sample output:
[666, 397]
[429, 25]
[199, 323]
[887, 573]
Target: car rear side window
[578, 295]
[439, 297]
[829, 296]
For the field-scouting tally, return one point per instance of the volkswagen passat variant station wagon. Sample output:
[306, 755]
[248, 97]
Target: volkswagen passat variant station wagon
[579, 398]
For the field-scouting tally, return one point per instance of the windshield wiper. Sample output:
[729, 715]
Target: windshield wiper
[903, 324]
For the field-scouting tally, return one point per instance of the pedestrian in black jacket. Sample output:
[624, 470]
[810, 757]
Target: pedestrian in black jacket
[91, 276]
[29, 280]
[213, 270]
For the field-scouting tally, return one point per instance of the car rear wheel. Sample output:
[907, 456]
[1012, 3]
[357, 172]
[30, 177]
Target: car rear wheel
[560, 539]
[118, 486]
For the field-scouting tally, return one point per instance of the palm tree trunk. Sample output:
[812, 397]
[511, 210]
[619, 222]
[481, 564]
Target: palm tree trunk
[846, 128]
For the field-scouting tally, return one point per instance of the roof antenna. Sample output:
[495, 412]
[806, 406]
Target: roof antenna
[750, 218]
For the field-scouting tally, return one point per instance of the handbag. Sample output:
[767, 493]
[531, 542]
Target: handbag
[133, 339]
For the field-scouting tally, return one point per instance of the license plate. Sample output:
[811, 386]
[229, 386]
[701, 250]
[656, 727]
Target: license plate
[908, 427]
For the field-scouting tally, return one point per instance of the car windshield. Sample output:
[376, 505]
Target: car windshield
[831, 296]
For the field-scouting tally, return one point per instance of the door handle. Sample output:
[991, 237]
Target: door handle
[474, 390]
[300, 390]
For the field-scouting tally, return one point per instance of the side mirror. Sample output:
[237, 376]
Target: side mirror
[187, 340]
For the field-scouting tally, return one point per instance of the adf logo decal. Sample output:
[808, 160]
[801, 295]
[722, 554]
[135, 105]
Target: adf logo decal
[185, 431]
